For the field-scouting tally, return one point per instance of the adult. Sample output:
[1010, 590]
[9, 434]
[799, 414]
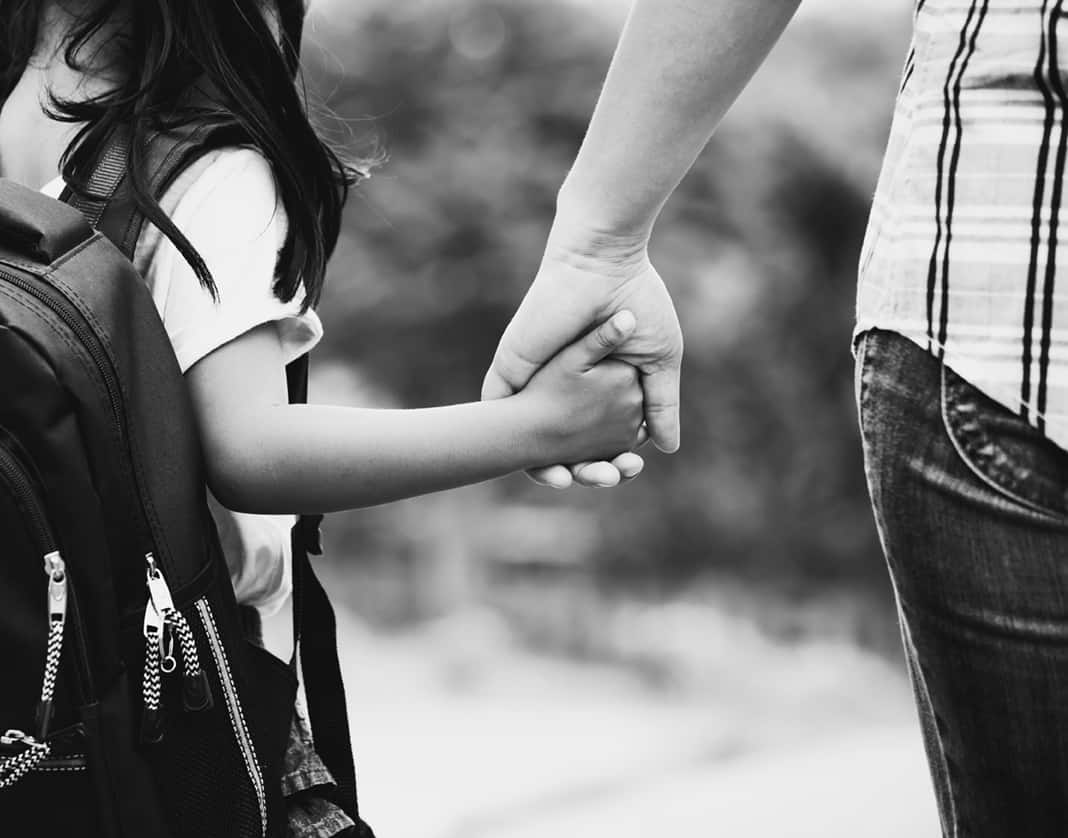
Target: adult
[961, 344]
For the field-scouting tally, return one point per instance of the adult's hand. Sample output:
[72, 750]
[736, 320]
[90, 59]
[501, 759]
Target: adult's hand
[678, 66]
[584, 278]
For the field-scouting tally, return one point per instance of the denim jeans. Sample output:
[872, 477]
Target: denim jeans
[971, 504]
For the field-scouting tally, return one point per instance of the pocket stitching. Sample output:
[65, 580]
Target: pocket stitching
[1000, 488]
[860, 376]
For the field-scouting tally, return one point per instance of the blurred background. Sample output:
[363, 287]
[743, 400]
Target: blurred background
[711, 650]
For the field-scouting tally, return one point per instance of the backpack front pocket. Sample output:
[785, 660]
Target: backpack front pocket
[196, 731]
[42, 745]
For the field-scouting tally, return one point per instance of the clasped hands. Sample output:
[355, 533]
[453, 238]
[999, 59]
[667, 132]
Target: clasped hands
[582, 282]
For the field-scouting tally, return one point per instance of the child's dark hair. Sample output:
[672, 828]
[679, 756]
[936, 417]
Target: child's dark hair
[226, 47]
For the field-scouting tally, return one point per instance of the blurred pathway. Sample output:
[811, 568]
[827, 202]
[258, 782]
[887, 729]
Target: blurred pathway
[872, 784]
[461, 735]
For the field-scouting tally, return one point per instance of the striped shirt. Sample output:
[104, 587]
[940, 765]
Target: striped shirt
[965, 252]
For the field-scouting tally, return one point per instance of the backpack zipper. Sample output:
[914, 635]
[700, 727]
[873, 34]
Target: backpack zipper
[13, 474]
[56, 571]
[162, 624]
[151, 717]
[14, 768]
[34, 756]
[87, 336]
[233, 706]
[60, 599]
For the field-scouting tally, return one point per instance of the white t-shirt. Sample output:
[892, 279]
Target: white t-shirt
[227, 205]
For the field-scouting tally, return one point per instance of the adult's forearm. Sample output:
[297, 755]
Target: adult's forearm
[678, 68]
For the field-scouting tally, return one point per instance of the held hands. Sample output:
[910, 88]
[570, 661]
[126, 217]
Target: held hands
[584, 279]
[588, 407]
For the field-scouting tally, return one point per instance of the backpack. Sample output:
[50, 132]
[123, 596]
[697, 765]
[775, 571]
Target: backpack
[132, 705]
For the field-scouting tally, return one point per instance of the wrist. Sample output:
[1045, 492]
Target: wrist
[591, 229]
[589, 261]
[603, 211]
[540, 427]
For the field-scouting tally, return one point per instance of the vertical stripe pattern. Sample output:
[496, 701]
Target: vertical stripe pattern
[963, 246]
[1057, 84]
[952, 132]
[1038, 206]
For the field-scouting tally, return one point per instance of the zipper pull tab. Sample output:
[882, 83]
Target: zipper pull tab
[158, 591]
[168, 663]
[56, 570]
[152, 627]
[196, 692]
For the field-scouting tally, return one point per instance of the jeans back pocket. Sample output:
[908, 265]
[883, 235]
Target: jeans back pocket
[1004, 450]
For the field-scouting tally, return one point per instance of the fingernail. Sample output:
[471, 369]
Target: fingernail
[624, 321]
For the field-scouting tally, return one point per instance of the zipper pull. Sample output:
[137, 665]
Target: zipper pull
[160, 600]
[196, 691]
[14, 768]
[168, 663]
[152, 716]
[158, 591]
[16, 737]
[152, 628]
[56, 570]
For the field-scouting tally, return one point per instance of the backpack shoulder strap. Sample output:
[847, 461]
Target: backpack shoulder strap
[315, 631]
[110, 171]
[108, 202]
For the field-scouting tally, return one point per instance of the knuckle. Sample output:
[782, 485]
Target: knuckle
[661, 408]
[512, 368]
[606, 336]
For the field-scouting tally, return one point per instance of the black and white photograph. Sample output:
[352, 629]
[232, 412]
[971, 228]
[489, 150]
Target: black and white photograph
[524, 418]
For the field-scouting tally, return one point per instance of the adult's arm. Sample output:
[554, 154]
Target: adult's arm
[677, 69]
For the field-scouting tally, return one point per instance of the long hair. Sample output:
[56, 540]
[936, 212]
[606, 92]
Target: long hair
[247, 80]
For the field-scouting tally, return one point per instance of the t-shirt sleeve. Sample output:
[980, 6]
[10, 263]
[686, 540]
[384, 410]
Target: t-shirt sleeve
[228, 208]
[233, 217]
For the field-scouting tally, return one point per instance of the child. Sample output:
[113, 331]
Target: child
[252, 226]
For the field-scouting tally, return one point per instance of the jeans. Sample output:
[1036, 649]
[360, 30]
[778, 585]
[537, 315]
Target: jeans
[971, 504]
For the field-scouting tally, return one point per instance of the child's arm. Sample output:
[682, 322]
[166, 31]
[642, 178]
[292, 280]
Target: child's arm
[266, 456]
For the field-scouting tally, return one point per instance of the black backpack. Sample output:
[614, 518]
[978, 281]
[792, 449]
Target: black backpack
[131, 703]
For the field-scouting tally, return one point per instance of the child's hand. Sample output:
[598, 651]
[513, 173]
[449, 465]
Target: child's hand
[589, 408]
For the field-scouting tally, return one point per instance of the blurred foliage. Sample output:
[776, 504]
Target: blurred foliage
[481, 106]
